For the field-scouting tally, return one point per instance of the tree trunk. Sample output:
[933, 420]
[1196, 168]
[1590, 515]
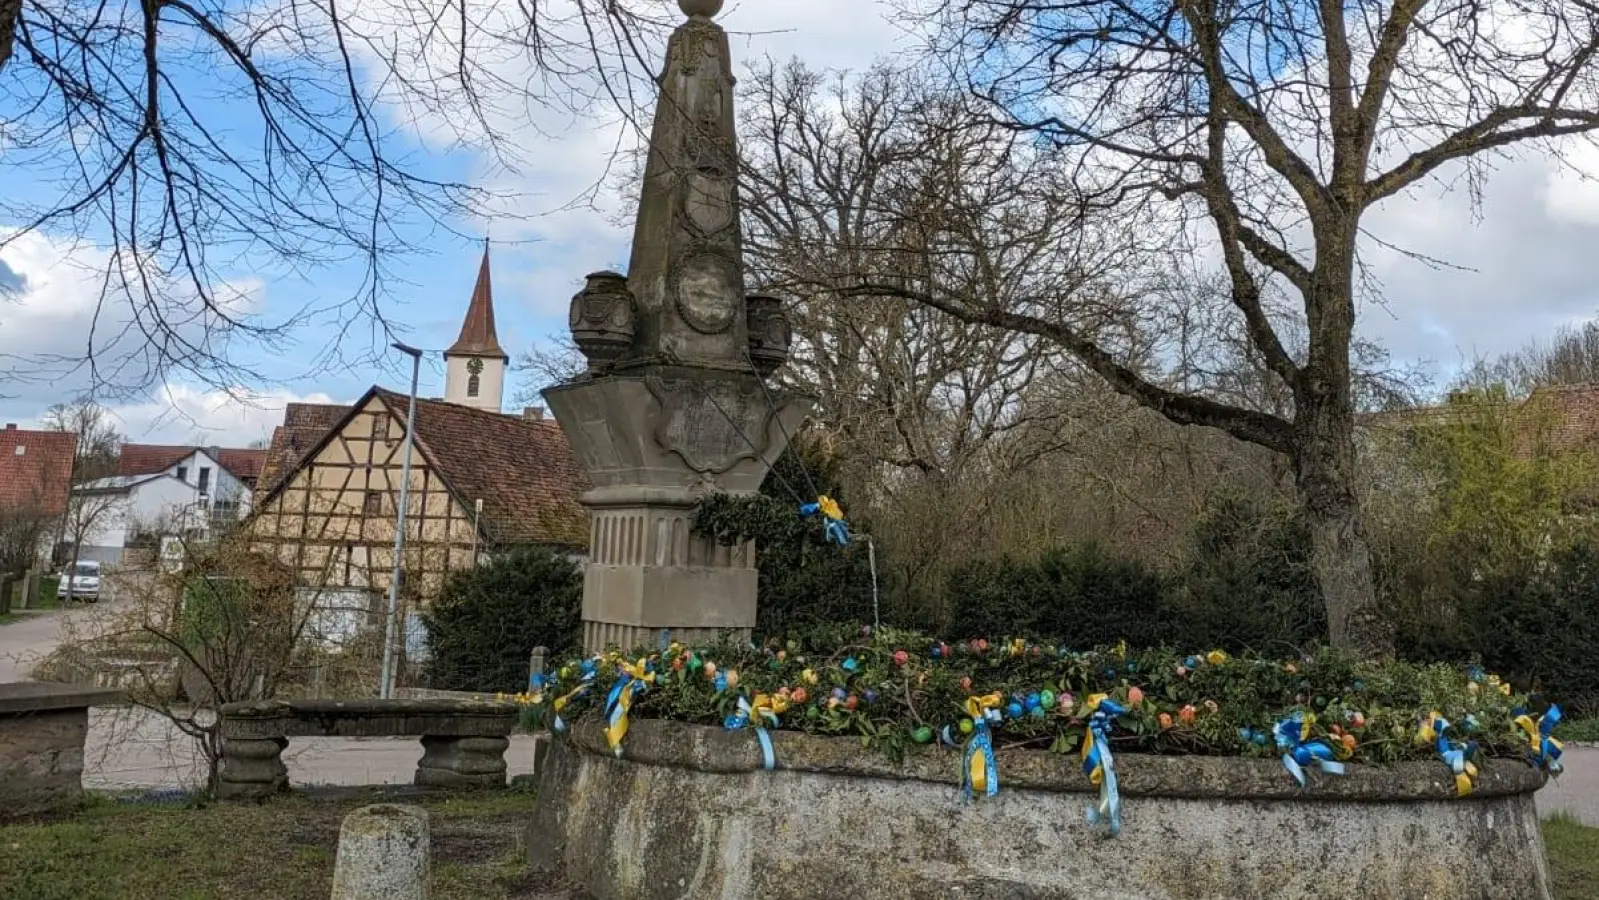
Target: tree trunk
[1324, 473]
[10, 18]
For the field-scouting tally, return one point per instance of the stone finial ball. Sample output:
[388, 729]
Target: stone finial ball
[705, 8]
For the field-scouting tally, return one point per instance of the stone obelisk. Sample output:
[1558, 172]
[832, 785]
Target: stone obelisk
[672, 405]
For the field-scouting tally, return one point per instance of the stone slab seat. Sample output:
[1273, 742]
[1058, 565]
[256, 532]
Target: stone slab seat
[463, 741]
[688, 812]
[43, 727]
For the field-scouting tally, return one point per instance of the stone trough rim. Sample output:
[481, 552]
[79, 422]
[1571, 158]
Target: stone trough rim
[705, 748]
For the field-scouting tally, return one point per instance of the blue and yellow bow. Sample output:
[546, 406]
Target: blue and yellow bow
[1099, 765]
[635, 678]
[1455, 754]
[763, 711]
[589, 673]
[1298, 752]
[980, 771]
[832, 518]
[1545, 751]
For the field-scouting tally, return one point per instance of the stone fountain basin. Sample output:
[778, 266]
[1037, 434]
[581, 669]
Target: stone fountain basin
[689, 813]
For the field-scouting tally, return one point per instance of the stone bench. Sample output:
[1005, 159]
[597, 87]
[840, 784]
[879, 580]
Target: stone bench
[463, 741]
[43, 726]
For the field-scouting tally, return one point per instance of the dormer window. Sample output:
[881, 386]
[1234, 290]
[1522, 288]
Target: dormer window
[183, 474]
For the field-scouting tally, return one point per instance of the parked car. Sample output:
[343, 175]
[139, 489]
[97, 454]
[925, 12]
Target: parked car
[83, 583]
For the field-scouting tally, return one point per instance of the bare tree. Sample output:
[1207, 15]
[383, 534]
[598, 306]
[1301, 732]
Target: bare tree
[195, 141]
[91, 511]
[1263, 132]
[98, 439]
[1570, 357]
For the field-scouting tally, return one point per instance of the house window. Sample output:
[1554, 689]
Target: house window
[183, 474]
[205, 478]
[471, 385]
[374, 502]
[380, 427]
[21, 450]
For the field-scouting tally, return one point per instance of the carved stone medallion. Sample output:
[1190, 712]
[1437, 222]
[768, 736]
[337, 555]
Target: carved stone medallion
[708, 291]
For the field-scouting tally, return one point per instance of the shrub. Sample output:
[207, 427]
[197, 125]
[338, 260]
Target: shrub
[1540, 628]
[1080, 596]
[1247, 581]
[804, 580]
[488, 619]
[899, 689]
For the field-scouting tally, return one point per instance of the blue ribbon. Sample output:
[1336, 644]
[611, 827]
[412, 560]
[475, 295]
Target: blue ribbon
[1455, 754]
[1100, 766]
[835, 528]
[590, 672]
[747, 716]
[982, 742]
[1298, 752]
[1543, 750]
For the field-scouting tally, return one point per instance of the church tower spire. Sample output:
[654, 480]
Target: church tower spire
[474, 366]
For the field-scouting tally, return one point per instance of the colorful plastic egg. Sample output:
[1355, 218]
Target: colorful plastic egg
[721, 683]
[1033, 701]
[966, 726]
[1135, 695]
[1014, 710]
[1046, 698]
[838, 693]
[870, 696]
[710, 670]
[798, 695]
[966, 683]
[922, 735]
[1165, 721]
[1187, 713]
[732, 678]
[850, 664]
[901, 657]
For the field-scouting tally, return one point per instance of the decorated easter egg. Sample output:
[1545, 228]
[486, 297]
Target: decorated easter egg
[966, 683]
[966, 726]
[851, 702]
[1033, 701]
[732, 678]
[1014, 710]
[798, 695]
[1165, 721]
[694, 661]
[850, 664]
[721, 683]
[922, 735]
[1046, 698]
[901, 657]
[1135, 695]
[870, 696]
[710, 670]
[838, 693]
[1187, 713]
[809, 676]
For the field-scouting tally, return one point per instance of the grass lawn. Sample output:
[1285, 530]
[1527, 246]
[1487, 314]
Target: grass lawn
[283, 849]
[1579, 729]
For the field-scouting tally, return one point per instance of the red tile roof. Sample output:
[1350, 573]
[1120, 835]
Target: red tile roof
[478, 337]
[148, 459]
[39, 478]
[304, 425]
[522, 469]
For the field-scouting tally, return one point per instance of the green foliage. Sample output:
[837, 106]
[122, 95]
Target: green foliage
[1080, 596]
[804, 580]
[886, 688]
[1247, 581]
[488, 619]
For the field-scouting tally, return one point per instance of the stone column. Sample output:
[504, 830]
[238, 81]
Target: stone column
[673, 405]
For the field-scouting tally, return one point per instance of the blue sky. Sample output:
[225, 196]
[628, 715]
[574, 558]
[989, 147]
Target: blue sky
[1521, 268]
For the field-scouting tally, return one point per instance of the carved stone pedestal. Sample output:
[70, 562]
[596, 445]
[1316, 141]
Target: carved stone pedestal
[252, 769]
[462, 762]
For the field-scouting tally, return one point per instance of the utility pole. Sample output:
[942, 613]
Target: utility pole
[391, 626]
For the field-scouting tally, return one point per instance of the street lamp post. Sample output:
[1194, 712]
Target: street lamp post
[386, 685]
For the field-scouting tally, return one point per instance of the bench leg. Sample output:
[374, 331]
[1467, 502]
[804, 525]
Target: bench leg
[462, 762]
[252, 769]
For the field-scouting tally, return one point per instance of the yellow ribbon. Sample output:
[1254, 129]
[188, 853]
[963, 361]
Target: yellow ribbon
[621, 701]
[979, 753]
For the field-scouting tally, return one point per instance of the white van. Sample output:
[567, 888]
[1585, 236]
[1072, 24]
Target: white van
[83, 582]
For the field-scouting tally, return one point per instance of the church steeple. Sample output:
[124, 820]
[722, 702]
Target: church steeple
[474, 373]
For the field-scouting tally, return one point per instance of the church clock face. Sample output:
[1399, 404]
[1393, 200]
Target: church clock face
[474, 366]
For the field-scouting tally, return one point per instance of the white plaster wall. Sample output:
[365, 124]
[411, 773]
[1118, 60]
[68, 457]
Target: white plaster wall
[491, 387]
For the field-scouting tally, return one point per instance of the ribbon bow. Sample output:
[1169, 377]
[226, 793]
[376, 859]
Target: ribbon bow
[636, 678]
[1298, 752]
[590, 672]
[1099, 765]
[1544, 752]
[832, 517]
[980, 769]
[1455, 754]
[764, 710]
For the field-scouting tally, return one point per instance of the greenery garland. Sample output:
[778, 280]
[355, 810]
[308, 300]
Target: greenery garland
[897, 690]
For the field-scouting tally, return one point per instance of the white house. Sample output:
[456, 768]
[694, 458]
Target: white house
[109, 514]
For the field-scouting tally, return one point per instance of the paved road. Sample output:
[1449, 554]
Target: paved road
[24, 642]
[1576, 792]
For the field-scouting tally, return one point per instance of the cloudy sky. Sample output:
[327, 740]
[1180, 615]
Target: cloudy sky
[1517, 271]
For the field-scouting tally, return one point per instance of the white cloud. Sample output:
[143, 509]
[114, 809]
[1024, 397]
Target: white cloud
[184, 415]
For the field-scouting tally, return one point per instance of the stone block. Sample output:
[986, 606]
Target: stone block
[383, 854]
[41, 760]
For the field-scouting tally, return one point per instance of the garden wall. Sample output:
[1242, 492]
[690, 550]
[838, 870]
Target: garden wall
[690, 814]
